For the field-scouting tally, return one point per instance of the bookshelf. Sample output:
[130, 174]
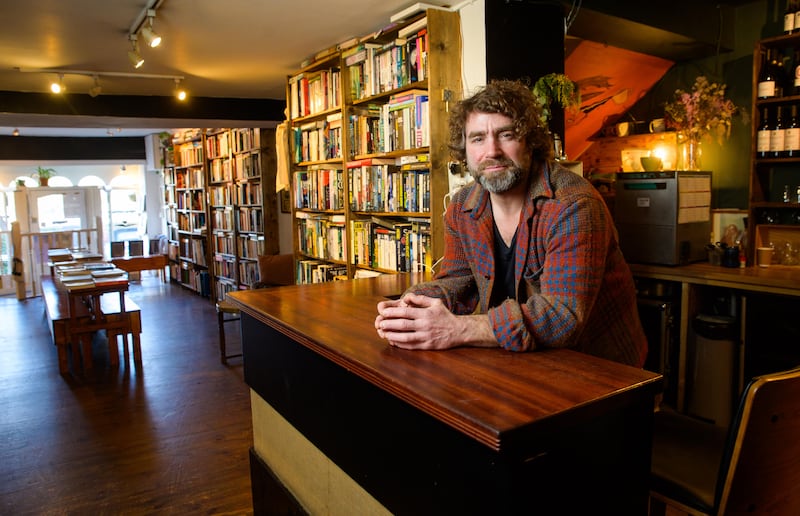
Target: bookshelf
[241, 165]
[220, 203]
[190, 267]
[368, 147]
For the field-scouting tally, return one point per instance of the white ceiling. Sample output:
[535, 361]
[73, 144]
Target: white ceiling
[223, 48]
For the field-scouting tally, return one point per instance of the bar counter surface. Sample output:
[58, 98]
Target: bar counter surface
[467, 430]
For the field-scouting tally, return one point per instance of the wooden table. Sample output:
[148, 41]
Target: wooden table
[351, 425]
[120, 315]
[143, 263]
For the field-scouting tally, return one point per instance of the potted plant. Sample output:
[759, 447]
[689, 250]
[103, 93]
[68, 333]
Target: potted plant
[43, 175]
[556, 87]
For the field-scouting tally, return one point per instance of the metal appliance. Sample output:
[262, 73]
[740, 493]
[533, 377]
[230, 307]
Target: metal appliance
[663, 217]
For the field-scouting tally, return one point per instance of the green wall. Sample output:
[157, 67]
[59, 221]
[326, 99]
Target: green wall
[729, 162]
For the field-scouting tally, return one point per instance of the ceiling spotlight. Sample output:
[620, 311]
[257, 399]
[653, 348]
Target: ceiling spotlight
[96, 89]
[147, 32]
[15, 133]
[133, 53]
[58, 86]
[180, 93]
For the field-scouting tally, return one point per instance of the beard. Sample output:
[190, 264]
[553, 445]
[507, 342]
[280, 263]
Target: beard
[501, 182]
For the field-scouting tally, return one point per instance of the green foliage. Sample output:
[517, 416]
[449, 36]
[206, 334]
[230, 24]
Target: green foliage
[556, 87]
[44, 173]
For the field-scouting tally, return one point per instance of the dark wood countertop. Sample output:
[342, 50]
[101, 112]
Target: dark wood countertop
[495, 396]
[772, 280]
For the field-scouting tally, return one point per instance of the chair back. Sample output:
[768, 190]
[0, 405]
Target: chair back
[763, 453]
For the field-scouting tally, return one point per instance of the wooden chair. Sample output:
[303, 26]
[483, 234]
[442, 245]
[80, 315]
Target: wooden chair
[274, 270]
[753, 467]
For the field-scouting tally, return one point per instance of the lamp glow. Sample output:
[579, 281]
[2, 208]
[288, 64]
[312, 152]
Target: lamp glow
[152, 39]
[133, 54]
[57, 86]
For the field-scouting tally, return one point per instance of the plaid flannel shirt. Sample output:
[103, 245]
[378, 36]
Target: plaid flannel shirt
[574, 288]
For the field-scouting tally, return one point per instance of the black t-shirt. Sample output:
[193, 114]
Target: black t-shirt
[504, 287]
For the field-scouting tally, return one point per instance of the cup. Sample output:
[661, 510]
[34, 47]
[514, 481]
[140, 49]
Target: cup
[765, 256]
[657, 125]
[623, 128]
[650, 163]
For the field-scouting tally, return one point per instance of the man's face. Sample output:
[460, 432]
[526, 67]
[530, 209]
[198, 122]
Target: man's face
[496, 158]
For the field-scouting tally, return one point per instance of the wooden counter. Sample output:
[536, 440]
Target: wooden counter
[769, 280]
[461, 431]
[693, 278]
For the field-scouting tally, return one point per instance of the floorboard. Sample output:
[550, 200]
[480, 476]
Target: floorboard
[169, 437]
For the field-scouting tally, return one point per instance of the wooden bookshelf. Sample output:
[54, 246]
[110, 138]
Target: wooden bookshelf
[368, 147]
[241, 164]
[220, 202]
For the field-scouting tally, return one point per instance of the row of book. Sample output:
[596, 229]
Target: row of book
[400, 124]
[322, 236]
[395, 245]
[314, 92]
[191, 178]
[193, 249]
[377, 68]
[197, 280]
[220, 170]
[319, 188]
[248, 193]
[220, 195]
[251, 219]
[190, 200]
[379, 184]
[192, 222]
[315, 271]
[320, 140]
[189, 154]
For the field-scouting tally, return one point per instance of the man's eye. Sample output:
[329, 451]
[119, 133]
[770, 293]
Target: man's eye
[507, 135]
[476, 139]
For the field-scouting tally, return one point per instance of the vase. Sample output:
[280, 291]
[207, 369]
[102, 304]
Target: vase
[690, 153]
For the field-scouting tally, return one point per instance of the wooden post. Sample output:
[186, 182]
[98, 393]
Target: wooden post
[18, 268]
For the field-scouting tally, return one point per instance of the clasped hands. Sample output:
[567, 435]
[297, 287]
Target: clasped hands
[417, 322]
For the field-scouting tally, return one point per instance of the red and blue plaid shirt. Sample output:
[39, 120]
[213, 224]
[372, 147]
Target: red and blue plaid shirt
[574, 288]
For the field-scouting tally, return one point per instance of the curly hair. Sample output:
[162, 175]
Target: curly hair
[512, 99]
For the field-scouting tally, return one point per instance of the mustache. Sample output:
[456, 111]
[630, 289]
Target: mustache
[496, 162]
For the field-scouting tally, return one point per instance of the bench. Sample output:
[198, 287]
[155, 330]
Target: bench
[119, 323]
[142, 263]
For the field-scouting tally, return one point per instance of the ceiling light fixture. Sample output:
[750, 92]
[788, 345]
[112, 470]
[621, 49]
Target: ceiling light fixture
[15, 133]
[96, 89]
[180, 93]
[147, 32]
[58, 86]
[133, 54]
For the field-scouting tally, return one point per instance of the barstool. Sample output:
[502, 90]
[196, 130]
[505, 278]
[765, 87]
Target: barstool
[225, 307]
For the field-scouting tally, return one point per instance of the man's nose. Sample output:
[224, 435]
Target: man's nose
[493, 146]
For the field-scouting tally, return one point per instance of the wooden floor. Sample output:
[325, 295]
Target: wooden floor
[170, 437]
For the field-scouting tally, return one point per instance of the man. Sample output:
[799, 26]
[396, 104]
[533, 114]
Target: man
[531, 253]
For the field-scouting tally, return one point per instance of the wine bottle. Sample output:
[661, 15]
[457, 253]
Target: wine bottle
[792, 136]
[797, 16]
[763, 135]
[777, 135]
[788, 16]
[796, 85]
[782, 86]
[766, 77]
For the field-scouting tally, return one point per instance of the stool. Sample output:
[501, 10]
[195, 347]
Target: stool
[225, 307]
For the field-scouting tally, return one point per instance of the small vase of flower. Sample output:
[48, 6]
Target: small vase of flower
[702, 113]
